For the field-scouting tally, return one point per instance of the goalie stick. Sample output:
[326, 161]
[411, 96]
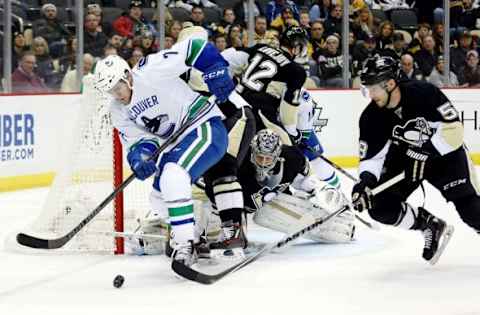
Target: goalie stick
[197, 276]
[44, 243]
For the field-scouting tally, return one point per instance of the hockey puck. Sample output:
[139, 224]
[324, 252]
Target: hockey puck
[118, 281]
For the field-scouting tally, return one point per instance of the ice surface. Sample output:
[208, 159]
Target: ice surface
[381, 273]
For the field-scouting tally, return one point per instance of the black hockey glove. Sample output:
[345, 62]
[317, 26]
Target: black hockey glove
[362, 198]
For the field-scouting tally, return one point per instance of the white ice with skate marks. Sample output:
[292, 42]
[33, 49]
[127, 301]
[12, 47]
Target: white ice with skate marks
[380, 273]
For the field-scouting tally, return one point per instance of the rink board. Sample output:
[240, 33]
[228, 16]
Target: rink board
[34, 127]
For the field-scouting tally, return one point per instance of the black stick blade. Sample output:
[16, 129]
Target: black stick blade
[35, 242]
[31, 241]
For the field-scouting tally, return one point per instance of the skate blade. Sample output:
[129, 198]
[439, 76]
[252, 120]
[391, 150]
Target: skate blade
[445, 238]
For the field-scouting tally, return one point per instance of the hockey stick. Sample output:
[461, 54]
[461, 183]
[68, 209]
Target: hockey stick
[197, 276]
[43, 243]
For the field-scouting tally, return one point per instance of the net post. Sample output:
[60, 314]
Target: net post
[118, 202]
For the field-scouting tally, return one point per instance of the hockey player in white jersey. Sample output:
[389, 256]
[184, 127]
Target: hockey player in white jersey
[150, 103]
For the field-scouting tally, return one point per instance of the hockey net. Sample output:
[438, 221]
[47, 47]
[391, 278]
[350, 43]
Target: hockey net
[92, 167]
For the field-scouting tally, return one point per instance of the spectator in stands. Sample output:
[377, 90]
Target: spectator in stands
[67, 62]
[361, 51]
[472, 70]
[275, 8]
[320, 10]
[175, 29]
[24, 79]
[362, 25]
[228, 19]
[221, 42]
[427, 56]
[133, 23]
[50, 28]
[109, 50]
[330, 63]
[45, 66]
[333, 24]
[385, 34]
[146, 43]
[458, 55]
[19, 48]
[408, 69]
[437, 34]
[137, 54]
[305, 21]
[397, 49]
[260, 28]
[284, 20]
[317, 40]
[95, 9]
[70, 83]
[237, 37]
[241, 11]
[94, 41]
[197, 17]
[415, 45]
[437, 77]
[470, 17]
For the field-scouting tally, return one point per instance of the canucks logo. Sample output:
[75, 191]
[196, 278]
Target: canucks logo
[159, 125]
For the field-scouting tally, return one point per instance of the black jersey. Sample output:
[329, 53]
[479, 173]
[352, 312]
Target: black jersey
[267, 64]
[294, 163]
[418, 99]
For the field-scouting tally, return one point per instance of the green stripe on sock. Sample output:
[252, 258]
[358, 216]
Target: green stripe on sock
[179, 211]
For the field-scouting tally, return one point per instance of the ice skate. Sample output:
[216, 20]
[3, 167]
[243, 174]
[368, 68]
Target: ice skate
[231, 243]
[437, 234]
[185, 253]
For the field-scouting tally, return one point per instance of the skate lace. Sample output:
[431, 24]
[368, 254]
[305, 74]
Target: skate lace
[428, 234]
[183, 251]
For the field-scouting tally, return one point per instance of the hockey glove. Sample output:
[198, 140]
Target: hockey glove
[362, 198]
[219, 82]
[267, 194]
[141, 161]
[415, 168]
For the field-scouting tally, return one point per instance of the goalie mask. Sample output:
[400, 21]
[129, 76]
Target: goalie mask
[266, 148]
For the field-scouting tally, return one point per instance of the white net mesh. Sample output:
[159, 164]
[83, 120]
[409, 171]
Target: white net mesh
[85, 180]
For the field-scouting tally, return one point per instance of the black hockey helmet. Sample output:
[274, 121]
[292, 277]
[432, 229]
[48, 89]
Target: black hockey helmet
[294, 36]
[377, 69]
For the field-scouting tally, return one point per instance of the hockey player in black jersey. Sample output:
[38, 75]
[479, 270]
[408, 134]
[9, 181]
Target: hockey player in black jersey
[412, 127]
[271, 82]
[267, 178]
[261, 65]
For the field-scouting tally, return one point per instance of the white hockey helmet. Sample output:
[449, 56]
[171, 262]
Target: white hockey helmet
[266, 148]
[109, 71]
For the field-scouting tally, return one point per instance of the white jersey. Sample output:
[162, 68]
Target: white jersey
[162, 101]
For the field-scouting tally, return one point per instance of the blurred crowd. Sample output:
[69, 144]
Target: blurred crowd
[44, 44]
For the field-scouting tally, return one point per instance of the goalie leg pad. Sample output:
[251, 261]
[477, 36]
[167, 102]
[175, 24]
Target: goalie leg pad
[288, 214]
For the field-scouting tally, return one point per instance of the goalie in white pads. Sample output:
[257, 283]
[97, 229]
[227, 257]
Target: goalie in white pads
[281, 189]
[150, 104]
